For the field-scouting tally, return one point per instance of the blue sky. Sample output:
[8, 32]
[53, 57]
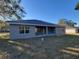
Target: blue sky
[51, 10]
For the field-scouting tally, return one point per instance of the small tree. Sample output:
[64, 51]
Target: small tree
[61, 21]
[70, 23]
[3, 26]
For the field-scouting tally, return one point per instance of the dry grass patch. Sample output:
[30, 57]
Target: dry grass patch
[36, 48]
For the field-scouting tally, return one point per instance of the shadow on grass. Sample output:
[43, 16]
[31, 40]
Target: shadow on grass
[48, 48]
[70, 49]
[51, 45]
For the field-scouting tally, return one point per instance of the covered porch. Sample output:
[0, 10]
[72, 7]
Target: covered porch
[45, 30]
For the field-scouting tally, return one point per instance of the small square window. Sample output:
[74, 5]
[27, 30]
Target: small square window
[21, 31]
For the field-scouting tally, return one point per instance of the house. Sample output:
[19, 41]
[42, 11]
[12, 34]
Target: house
[22, 29]
[72, 30]
[70, 26]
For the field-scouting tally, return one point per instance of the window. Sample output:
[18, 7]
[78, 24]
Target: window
[21, 29]
[24, 29]
[51, 30]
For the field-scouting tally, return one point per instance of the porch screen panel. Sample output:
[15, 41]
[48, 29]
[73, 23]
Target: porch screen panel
[40, 30]
[51, 30]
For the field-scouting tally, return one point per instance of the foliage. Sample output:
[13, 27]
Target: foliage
[11, 9]
[77, 6]
[3, 26]
[61, 22]
[67, 23]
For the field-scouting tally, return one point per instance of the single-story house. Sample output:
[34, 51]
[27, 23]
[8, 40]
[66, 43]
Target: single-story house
[22, 29]
[72, 30]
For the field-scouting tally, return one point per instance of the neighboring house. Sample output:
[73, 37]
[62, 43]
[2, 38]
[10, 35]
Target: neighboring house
[72, 30]
[70, 26]
[22, 29]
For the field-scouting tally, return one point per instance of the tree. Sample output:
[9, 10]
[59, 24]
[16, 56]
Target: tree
[77, 6]
[4, 26]
[70, 23]
[67, 23]
[11, 9]
[62, 22]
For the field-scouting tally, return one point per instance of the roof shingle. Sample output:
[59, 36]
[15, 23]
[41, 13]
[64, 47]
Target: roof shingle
[35, 22]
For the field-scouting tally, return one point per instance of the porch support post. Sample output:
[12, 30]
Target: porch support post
[46, 30]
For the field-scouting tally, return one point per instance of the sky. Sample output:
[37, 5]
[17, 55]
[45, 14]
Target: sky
[51, 10]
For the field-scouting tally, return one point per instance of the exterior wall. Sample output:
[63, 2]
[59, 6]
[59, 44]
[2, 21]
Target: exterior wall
[70, 31]
[77, 30]
[60, 31]
[14, 32]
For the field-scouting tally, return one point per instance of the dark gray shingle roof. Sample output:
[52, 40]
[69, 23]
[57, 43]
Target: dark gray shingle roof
[35, 22]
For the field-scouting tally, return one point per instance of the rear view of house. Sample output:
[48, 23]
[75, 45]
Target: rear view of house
[22, 29]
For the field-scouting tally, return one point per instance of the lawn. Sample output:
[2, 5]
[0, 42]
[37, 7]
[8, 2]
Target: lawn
[38, 48]
[4, 35]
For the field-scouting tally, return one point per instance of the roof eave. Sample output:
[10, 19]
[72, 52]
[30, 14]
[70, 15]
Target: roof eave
[32, 24]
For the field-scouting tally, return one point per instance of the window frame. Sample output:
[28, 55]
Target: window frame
[26, 29]
[23, 28]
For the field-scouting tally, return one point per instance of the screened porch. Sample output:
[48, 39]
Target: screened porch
[42, 30]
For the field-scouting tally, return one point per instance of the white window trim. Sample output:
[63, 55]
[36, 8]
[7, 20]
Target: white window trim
[23, 27]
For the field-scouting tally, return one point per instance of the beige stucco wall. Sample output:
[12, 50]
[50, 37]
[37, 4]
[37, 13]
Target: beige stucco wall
[70, 31]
